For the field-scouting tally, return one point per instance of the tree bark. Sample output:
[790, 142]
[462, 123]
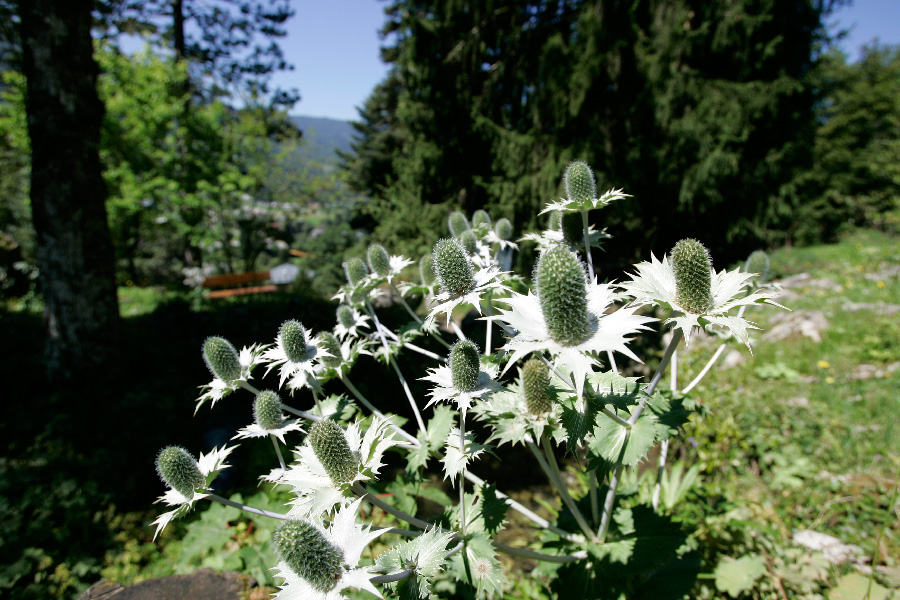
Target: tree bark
[74, 249]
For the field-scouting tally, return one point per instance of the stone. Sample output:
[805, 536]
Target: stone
[203, 584]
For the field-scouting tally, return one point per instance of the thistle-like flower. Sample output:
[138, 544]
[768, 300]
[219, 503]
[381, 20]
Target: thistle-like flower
[501, 234]
[683, 289]
[758, 262]
[295, 351]
[383, 266]
[582, 191]
[568, 318]
[457, 223]
[463, 379]
[268, 419]
[187, 479]
[316, 562]
[459, 282]
[536, 386]
[349, 322]
[331, 459]
[554, 234]
[481, 220]
[356, 271]
[228, 367]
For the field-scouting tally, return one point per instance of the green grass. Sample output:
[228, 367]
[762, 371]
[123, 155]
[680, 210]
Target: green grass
[794, 435]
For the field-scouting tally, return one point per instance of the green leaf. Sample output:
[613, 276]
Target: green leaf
[619, 445]
[738, 576]
[577, 421]
[855, 586]
[439, 426]
[612, 388]
[487, 576]
[209, 534]
[417, 457]
[454, 460]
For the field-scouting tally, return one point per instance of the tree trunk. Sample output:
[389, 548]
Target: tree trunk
[74, 249]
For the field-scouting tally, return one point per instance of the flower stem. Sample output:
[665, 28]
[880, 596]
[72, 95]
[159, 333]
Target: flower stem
[377, 412]
[411, 312]
[663, 363]
[248, 387]
[462, 484]
[409, 396]
[592, 490]
[608, 504]
[711, 361]
[587, 244]
[301, 413]
[488, 334]
[278, 452]
[561, 488]
[244, 507]
[664, 446]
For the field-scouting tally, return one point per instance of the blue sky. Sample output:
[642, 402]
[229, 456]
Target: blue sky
[334, 46]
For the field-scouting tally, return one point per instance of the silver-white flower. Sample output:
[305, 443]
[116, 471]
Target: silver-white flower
[654, 285]
[351, 539]
[485, 280]
[316, 492]
[359, 321]
[607, 332]
[445, 391]
[298, 371]
[566, 205]
[210, 465]
[249, 357]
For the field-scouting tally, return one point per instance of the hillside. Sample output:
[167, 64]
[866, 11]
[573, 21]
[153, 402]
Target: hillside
[323, 137]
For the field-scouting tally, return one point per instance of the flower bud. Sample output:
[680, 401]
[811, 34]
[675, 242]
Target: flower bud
[467, 239]
[562, 293]
[572, 226]
[465, 365]
[356, 270]
[331, 448]
[503, 228]
[580, 184]
[554, 222]
[758, 262]
[452, 268]
[536, 384]
[267, 410]
[293, 340]
[379, 261]
[221, 359]
[329, 344]
[480, 217]
[179, 470]
[457, 223]
[309, 554]
[426, 269]
[345, 316]
[693, 275]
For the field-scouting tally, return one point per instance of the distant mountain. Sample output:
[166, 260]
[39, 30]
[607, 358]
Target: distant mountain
[322, 137]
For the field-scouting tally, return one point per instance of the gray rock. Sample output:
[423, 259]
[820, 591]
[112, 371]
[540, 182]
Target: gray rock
[203, 584]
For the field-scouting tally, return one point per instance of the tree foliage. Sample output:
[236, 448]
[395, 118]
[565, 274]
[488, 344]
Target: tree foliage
[699, 109]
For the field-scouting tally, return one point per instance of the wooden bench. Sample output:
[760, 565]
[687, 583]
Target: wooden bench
[231, 280]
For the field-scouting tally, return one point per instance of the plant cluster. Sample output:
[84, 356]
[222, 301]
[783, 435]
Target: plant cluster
[568, 393]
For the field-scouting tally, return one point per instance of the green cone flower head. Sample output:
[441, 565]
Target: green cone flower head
[330, 344]
[465, 364]
[536, 384]
[503, 229]
[293, 340]
[309, 554]
[480, 217]
[758, 262]
[179, 470]
[221, 359]
[562, 293]
[426, 269]
[693, 275]
[267, 410]
[452, 268]
[572, 227]
[457, 223]
[580, 184]
[345, 316]
[467, 239]
[555, 221]
[378, 258]
[356, 270]
[331, 448]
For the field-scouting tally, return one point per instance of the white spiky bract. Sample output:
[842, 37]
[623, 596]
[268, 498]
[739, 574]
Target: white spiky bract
[567, 205]
[300, 372]
[316, 492]
[654, 285]
[485, 280]
[607, 332]
[258, 430]
[210, 465]
[445, 391]
[349, 537]
[249, 357]
[359, 321]
[553, 237]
